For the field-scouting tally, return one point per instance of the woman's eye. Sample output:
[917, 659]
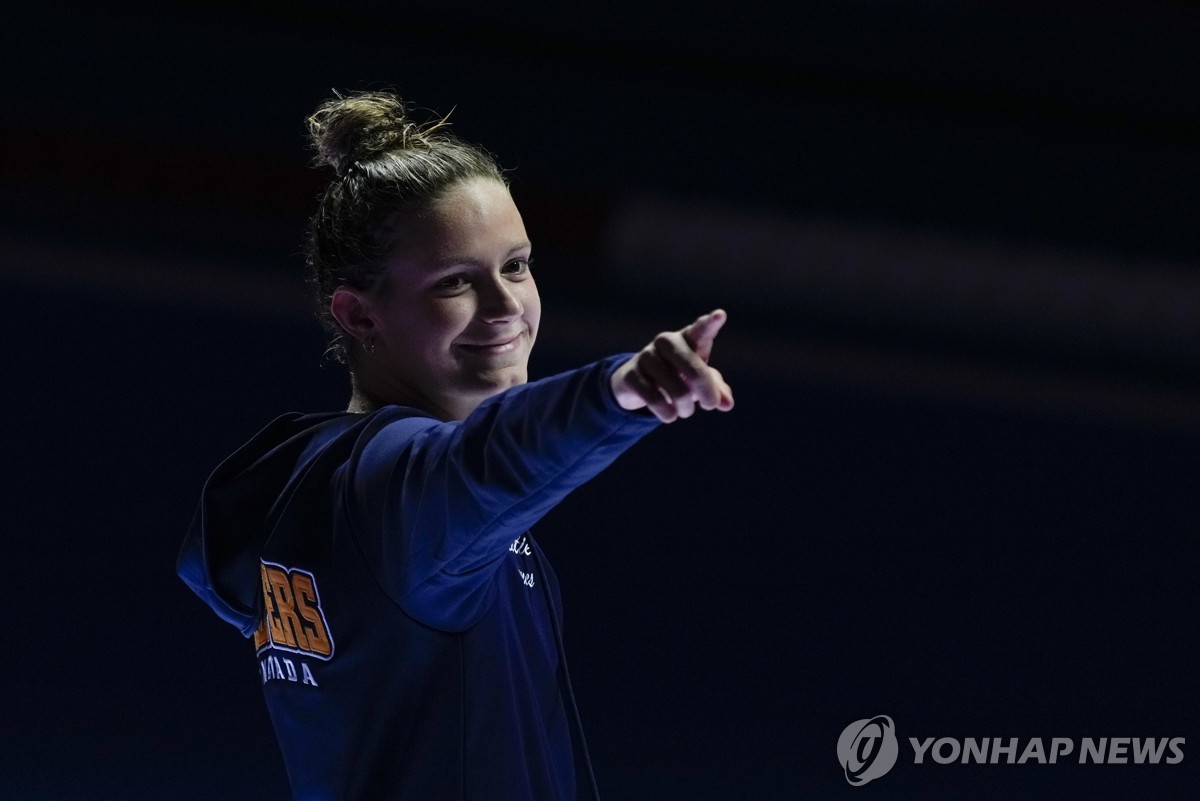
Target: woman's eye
[452, 282]
[518, 266]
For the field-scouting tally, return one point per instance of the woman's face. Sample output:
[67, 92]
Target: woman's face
[459, 313]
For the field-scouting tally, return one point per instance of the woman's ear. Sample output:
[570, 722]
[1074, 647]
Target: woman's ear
[352, 310]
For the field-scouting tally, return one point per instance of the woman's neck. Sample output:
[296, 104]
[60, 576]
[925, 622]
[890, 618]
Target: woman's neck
[368, 395]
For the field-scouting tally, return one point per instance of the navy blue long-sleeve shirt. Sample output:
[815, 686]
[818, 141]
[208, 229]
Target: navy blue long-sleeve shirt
[406, 625]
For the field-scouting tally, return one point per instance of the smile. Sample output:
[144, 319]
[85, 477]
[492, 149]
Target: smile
[493, 348]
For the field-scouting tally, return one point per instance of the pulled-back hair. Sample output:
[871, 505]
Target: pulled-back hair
[384, 163]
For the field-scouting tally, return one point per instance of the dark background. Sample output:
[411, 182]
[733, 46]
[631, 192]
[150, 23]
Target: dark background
[959, 485]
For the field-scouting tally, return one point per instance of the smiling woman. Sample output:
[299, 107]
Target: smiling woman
[459, 312]
[405, 622]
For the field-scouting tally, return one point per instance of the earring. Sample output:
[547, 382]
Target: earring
[369, 345]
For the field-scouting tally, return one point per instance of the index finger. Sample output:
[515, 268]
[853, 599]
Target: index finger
[701, 333]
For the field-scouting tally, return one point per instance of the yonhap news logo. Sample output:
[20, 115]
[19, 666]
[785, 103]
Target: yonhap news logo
[868, 749]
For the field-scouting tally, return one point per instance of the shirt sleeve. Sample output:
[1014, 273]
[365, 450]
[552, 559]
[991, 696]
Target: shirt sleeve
[434, 505]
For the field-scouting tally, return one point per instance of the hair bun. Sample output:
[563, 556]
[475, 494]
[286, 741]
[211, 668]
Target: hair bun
[362, 126]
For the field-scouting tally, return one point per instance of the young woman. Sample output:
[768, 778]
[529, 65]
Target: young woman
[407, 626]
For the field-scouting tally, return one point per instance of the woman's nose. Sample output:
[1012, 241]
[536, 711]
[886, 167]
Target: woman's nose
[499, 302]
